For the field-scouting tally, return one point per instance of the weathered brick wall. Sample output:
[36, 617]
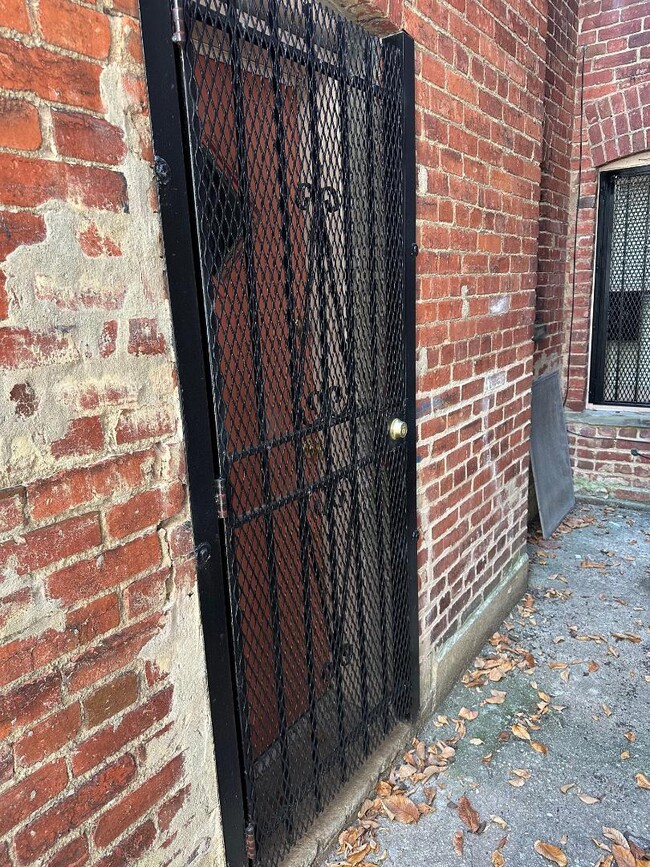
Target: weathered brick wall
[602, 457]
[479, 93]
[556, 218]
[105, 742]
[480, 78]
[102, 663]
[616, 124]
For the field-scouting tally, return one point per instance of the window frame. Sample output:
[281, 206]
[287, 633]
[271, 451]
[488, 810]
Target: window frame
[604, 230]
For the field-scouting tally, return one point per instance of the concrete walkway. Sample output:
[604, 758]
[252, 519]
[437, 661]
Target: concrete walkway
[548, 738]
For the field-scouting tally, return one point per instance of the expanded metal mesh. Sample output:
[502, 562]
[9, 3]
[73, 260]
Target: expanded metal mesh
[296, 128]
[627, 361]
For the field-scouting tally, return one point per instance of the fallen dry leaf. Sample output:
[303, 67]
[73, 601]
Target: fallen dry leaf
[355, 858]
[642, 781]
[551, 853]
[524, 773]
[520, 731]
[614, 835]
[497, 858]
[363, 809]
[565, 788]
[430, 793]
[623, 856]
[592, 666]
[539, 748]
[497, 697]
[499, 821]
[517, 782]
[383, 789]
[592, 564]
[466, 713]
[630, 736]
[588, 799]
[468, 815]
[402, 809]
[626, 636]
[639, 847]
[607, 710]
[458, 842]
[625, 755]
[599, 845]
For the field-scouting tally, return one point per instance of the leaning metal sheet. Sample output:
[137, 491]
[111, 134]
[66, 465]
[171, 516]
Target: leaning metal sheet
[549, 452]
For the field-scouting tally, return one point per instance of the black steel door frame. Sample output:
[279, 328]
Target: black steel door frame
[173, 172]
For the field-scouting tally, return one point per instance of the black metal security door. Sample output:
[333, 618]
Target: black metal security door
[301, 139]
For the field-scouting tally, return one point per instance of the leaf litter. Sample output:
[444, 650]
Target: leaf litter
[409, 791]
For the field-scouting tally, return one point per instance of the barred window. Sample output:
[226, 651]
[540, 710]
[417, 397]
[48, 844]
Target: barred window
[620, 357]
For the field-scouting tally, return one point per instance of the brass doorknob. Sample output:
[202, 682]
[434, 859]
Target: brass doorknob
[397, 429]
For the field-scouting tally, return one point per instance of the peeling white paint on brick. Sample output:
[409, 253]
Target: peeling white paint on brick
[494, 380]
[500, 304]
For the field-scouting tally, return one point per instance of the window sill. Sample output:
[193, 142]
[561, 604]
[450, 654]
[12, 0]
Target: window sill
[609, 418]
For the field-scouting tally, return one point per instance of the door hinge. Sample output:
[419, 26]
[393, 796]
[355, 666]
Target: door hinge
[178, 22]
[220, 498]
[249, 840]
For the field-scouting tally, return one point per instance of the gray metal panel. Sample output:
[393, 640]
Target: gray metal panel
[549, 453]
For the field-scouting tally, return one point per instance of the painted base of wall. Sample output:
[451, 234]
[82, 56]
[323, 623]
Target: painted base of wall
[610, 491]
[620, 503]
[602, 442]
[440, 675]
[447, 665]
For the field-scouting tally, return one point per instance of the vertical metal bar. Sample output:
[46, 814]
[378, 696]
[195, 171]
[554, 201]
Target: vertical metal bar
[621, 294]
[601, 304]
[168, 117]
[258, 372]
[189, 59]
[351, 375]
[298, 441]
[404, 185]
[646, 236]
[378, 421]
[319, 218]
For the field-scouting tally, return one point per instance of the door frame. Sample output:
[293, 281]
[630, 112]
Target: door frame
[172, 164]
[172, 168]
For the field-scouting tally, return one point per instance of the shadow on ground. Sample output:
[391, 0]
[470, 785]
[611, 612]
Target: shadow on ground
[584, 705]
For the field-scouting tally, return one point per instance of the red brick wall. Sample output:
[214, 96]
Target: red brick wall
[557, 211]
[479, 94]
[603, 460]
[105, 744]
[99, 612]
[616, 124]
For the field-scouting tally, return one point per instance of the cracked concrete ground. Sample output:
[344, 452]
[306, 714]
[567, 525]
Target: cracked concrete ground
[588, 585]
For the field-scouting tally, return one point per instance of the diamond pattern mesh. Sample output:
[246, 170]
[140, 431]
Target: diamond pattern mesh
[627, 361]
[296, 130]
